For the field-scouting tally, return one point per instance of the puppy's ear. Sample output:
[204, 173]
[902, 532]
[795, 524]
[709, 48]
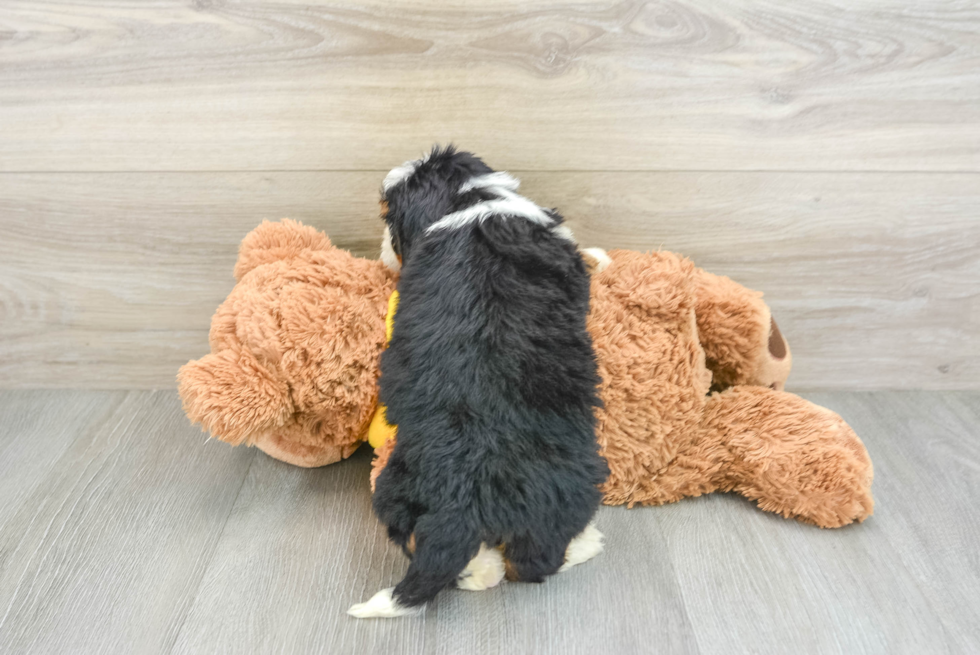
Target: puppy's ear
[596, 260]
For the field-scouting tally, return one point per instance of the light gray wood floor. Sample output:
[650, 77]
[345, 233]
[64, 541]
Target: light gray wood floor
[123, 530]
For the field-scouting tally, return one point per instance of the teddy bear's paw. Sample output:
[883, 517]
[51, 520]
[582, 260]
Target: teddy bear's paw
[582, 548]
[381, 605]
[484, 571]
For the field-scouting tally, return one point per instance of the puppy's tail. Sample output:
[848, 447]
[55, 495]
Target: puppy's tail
[444, 545]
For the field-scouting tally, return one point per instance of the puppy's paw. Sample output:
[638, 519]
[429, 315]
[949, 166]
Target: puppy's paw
[582, 548]
[596, 259]
[484, 571]
[382, 604]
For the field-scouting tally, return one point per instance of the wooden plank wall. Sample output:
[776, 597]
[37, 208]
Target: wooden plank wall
[826, 152]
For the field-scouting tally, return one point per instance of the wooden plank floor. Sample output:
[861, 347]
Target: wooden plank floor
[124, 530]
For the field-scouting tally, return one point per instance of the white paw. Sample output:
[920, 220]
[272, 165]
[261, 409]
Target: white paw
[484, 571]
[582, 548]
[599, 255]
[382, 604]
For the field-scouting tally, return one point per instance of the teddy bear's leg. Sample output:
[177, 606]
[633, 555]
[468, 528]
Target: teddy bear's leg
[794, 458]
[700, 469]
[233, 396]
[741, 341]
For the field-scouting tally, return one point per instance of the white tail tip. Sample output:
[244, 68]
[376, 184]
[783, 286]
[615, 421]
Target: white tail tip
[381, 605]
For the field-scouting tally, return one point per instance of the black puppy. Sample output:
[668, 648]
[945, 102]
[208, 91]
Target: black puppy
[491, 379]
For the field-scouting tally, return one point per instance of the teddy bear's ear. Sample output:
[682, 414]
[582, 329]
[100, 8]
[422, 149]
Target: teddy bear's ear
[233, 396]
[271, 242]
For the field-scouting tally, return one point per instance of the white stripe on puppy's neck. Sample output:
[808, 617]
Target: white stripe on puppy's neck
[492, 181]
[507, 203]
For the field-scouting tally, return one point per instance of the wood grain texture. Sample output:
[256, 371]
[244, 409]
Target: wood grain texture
[926, 450]
[131, 534]
[110, 280]
[34, 433]
[542, 85]
[106, 551]
[774, 587]
[905, 581]
[302, 546]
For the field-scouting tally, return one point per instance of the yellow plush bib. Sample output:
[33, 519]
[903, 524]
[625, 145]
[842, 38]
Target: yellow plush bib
[380, 429]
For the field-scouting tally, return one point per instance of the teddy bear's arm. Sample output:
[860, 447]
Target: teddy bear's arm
[233, 396]
[742, 343]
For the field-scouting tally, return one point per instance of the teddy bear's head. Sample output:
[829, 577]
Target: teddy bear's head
[294, 348]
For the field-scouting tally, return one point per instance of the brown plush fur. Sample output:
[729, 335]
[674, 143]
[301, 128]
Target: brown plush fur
[293, 367]
[742, 343]
[665, 333]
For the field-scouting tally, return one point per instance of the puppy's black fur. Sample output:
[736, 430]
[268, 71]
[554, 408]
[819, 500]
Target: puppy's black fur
[491, 379]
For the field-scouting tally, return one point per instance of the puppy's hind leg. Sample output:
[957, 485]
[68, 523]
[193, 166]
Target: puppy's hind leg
[443, 547]
[531, 560]
[484, 571]
[586, 545]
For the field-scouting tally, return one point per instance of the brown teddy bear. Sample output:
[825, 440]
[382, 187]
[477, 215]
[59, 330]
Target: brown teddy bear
[692, 365]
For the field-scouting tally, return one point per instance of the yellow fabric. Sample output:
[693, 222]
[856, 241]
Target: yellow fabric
[380, 430]
[390, 318]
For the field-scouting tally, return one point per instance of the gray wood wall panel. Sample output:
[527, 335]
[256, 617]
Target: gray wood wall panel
[110, 280]
[826, 152]
[545, 85]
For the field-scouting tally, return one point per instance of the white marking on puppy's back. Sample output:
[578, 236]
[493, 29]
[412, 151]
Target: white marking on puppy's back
[518, 206]
[500, 179]
[507, 203]
[565, 233]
